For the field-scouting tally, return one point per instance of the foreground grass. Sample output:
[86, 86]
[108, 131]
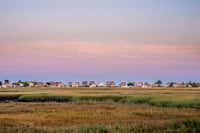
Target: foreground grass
[102, 110]
[184, 126]
[62, 117]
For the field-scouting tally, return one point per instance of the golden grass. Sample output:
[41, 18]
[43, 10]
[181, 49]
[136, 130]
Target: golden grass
[67, 115]
[58, 115]
[102, 91]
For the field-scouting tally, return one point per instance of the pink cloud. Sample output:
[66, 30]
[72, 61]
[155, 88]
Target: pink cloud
[80, 57]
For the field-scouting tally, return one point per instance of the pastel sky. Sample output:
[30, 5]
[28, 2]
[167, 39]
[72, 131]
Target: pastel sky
[120, 40]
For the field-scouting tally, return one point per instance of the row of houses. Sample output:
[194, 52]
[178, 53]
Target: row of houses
[92, 84]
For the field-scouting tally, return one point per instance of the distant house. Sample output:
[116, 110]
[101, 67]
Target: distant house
[52, 84]
[31, 84]
[138, 84]
[60, 84]
[85, 84]
[6, 84]
[155, 85]
[177, 85]
[21, 84]
[76, 84]
[147, 85]
[110, 84]
[14, 85]
[39, 84]
[100, 84]
[122, 84]
[70, 84]
[198, 84]
[92, 83]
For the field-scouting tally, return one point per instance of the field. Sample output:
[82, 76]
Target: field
[99, 110]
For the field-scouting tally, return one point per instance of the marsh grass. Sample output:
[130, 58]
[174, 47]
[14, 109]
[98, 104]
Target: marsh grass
[184, 126]
[178, 101]
[63, 117]
[152, 100]
[102, 110]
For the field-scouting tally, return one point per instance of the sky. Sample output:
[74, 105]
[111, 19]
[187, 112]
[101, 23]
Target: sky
[101, 40]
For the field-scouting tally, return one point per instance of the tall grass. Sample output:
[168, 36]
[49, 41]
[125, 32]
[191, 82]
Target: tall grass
[184, 126]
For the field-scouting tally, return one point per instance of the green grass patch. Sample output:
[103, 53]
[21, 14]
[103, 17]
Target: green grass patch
[150, 100]
[44, 98]
[12, 97]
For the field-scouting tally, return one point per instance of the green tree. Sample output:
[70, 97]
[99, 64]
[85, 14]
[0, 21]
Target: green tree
[130, 84]
[26, 84]
[171, 84]
[159, 82]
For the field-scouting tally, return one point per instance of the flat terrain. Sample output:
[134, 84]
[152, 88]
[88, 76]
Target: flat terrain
[99, 110]
[101, 91]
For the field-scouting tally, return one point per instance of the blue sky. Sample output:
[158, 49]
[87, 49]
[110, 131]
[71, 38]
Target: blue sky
[148, 27]
[140, 21]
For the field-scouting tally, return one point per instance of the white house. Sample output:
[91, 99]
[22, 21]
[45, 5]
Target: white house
[100, 84]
